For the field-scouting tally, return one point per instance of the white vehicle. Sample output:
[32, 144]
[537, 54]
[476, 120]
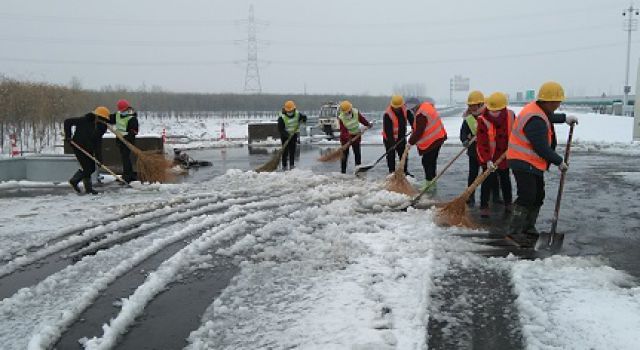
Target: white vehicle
[328, 119]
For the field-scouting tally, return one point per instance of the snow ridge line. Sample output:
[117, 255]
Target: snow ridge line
[168, 271]
[54, 322]
[121, 237]
[63, 234]
[94, 232]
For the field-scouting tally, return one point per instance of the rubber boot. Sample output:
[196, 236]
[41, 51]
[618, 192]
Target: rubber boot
[88, 187]
[517, 224]
[75, 180]
[532, 217]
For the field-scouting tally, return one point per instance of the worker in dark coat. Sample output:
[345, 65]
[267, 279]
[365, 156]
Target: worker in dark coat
[469, 129]
[394, 131]
[87, 135]
[532, 145]
[289, 125]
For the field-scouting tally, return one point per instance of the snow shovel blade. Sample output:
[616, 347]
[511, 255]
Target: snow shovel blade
[363, 169]
[551, 242]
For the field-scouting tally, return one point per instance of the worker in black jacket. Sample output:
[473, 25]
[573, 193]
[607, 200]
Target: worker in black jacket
[126, 121]
[87, 135]
[532, 145]
[289, 126]
[394, 131]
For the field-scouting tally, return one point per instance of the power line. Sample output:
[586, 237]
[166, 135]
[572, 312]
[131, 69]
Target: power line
[320, 63]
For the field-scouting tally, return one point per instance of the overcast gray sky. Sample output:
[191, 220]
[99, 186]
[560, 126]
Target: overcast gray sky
[328, 46]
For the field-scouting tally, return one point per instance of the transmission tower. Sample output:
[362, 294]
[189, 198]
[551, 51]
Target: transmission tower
[630, 25]
[252, 77]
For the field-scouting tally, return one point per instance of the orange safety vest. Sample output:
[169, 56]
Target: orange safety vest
[394, 119]
[434, 130]
[519, 146]
[491, 132]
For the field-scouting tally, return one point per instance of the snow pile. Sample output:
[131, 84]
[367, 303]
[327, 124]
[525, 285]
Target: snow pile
[577, 303]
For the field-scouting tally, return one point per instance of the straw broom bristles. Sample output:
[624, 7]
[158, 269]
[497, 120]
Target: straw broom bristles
[272, 164]
[338, 153]
[455, 212]
[398, 181]
[151, 165]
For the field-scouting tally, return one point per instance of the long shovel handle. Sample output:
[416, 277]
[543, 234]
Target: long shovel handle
[391, 149]
[81, 149]
[435, 179]
[556, 211]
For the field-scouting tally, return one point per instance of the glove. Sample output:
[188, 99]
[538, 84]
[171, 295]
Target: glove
[491, 166]
[571, 119]
[563, 167]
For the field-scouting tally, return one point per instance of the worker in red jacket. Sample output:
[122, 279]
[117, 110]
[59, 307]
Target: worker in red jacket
[494, 127]
[350, 119]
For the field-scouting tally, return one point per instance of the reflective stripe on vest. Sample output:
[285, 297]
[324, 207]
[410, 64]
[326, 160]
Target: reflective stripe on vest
[434, 130]
[394, 119]
[122, 122]
[351, 122]
[291, 124]
[519, 146]
[472, 123]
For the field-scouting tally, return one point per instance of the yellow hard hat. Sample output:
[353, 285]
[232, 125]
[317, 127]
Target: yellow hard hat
[397, 101]
[475, 97]
[289, 106]
[551, 92]
[345, 106]
[102, 112]
[497, 101]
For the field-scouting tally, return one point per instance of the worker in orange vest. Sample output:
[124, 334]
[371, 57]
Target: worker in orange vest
[394, 128]
[494, 126]
[532, 144]
[428, 135]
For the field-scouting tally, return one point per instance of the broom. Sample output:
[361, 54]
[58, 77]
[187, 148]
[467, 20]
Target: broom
[152, 166]
[454, 213]
[118, 178]
[272, 164]
[435, 179]
[397, 182]
[338, 153]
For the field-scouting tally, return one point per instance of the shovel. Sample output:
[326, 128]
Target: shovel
[552, 241]
[365, 168]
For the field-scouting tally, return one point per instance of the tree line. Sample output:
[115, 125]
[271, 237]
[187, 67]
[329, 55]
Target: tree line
[39, 107]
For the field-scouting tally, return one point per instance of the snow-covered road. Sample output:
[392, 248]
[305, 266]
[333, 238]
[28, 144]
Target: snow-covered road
[324, 263]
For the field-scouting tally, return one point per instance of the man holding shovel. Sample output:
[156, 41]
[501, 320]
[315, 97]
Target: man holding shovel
[126, 121]
[87, 136]
[394, 128]
[532, 145]
[350, 119]
[289, 125]
[428, 134]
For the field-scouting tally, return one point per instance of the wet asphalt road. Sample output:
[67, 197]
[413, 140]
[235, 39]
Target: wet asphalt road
[600, 215]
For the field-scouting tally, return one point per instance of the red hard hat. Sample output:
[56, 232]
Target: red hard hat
[123, 105]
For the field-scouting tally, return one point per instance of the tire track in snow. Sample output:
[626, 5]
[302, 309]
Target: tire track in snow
[57, 301]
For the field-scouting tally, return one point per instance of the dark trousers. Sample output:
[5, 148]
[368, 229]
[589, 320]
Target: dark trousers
[87, 164]
[474, 168]
[430, 162]
[391, 155]
[499, 178]
[289, 152]
[345, 157]
[530, 189]
[125, 156]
